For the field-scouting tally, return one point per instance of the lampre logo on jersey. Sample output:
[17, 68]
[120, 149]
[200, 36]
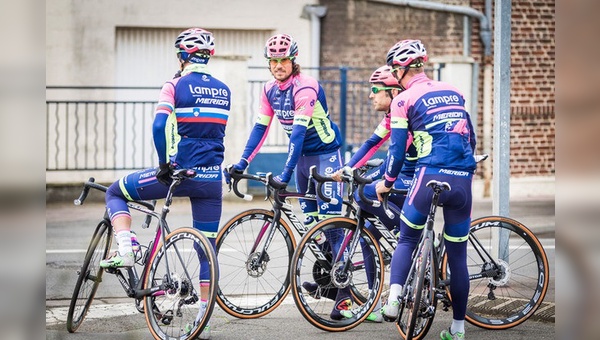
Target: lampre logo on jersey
[209, 95]
[437, 100]
[212, 91]
[284, 114]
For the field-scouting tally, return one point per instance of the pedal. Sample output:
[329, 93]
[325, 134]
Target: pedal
[167, 317]
[388, 319]
[111, 270]
[139, 306]
[445, 305]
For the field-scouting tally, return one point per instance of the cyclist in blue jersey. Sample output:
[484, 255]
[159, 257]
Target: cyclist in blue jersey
[384, 88]
[298, 102]
[188, 131]
[434, 112]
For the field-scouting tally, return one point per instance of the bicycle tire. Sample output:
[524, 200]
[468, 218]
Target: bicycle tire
[90, 276]
[317, 310]
[172, 309]
[519, 294]
[421, 296]
[248, 291]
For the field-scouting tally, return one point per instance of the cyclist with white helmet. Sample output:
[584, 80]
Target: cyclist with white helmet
[188, 131]
[384, 88]
[434, 112]
[298, 102]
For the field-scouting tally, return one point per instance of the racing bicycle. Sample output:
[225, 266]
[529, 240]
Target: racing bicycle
[165, 278]
[508, 272]
[255, 247]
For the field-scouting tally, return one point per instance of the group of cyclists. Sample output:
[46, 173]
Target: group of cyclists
[430, 137]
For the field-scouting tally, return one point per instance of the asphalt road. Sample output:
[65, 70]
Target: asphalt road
[113, 316]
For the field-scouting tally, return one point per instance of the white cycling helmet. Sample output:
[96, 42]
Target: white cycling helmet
[193, 40]
[404, 52]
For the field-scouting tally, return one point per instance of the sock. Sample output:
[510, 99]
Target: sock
[124, 241]
[201, 310]
[457, 326]
[377, 306]
[343, 293]
[395, 291]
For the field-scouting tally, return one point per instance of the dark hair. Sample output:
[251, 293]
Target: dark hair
[295, 69]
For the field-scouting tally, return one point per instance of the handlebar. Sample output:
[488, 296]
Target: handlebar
[265, 178]
[91, 183]
[480, 158]
[372, 163]
[320, 179]
[354, 178]
[360, 182]
[237, 175]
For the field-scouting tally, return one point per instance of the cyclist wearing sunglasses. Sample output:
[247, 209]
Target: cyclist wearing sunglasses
[434, 112]
[384, 88]
[298, 102]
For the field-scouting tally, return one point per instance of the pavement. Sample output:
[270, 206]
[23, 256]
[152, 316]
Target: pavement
[114, 317]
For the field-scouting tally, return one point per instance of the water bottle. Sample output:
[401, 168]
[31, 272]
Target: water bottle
[320, 237]
[135, 245]
[310, 222]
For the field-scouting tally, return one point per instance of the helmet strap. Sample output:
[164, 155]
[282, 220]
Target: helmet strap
[196, 58]
[406, 69]
[403, 75]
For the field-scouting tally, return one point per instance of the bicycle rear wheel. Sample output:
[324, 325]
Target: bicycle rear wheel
[250, 287]
[174, 310]
[508, 286]
[311, 264]
[417, 310]
[89, 276]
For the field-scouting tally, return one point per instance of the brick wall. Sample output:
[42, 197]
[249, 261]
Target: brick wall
[358, 33]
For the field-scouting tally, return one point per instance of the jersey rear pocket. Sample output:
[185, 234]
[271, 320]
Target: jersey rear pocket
[452, 150]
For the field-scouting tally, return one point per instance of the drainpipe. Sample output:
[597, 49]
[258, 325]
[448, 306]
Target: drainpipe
[314, 13]
[485, 34]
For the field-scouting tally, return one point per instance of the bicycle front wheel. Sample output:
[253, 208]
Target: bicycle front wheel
[417, 309]
[174, 310]
[508, 271]
[253, 283]
[90, 276]
[313, 265]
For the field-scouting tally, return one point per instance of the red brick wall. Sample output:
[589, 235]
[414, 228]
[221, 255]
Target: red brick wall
[358, 33]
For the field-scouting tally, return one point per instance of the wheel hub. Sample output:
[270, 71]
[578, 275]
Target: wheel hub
[338, 278]
[504, 274]
[254, 267]
[174, 289]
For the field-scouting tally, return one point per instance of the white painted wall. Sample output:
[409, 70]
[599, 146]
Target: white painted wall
[80, 35]
[82, 40]
[458, 71]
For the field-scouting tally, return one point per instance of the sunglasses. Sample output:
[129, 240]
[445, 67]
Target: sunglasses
[282, 61]
[376, 89]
